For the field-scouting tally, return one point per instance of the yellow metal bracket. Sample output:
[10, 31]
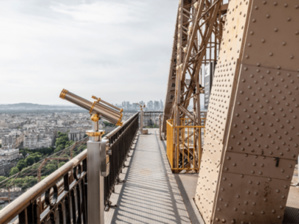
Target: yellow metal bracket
[119, 123]
[91, 133]
[97, 100]
[95, 117]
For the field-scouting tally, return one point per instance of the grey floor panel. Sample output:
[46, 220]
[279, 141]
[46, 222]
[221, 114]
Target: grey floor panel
[150, 193]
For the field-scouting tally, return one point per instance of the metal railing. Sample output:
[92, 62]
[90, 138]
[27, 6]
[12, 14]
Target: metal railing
[151, 119]
[120, 140]
[62, 196]
[184, 145]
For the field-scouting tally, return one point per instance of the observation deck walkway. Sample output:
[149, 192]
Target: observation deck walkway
[150, 193]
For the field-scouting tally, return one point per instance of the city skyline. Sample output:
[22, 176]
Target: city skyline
[67, 104]
[86, 47]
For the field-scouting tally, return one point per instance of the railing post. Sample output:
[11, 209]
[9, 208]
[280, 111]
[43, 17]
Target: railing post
[141, 121]
[96, 157]
[160, 126]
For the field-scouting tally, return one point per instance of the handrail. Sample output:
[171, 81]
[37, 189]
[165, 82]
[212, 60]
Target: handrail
[65, 189]
[114, 131]
[18, 205]
[119, 145]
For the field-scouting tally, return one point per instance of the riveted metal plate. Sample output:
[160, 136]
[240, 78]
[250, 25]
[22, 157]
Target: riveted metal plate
[274, 30]
[247, 199]
[253, 114]
[261, 166]
[265, 119]
[219, 106]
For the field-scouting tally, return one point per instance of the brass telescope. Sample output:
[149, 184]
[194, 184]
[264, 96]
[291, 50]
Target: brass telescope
[99, 106]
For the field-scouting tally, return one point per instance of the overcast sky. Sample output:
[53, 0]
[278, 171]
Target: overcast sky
[118, 49]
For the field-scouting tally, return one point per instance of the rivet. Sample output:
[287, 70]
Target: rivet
[289, 19]
[268, 16]
[263, 40]
[275, 29]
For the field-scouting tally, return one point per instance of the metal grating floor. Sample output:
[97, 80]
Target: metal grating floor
[150, 193]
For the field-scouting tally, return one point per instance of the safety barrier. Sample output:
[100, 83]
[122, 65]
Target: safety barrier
[184, 145]
[120, 140]
[62, 196]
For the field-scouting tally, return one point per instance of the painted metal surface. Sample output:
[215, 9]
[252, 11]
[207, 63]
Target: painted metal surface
[196, 43]
[197, 38]
[186, 154]
[251, 142]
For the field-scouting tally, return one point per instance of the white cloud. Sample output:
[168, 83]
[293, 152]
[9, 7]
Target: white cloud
[105, 12]
[119, 50]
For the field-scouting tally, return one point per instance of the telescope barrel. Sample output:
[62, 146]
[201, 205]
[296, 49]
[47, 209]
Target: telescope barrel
[104, 109]
[73, 98]
[110, 105]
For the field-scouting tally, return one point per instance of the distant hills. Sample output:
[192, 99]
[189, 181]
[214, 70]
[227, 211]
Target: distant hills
[23, 107]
